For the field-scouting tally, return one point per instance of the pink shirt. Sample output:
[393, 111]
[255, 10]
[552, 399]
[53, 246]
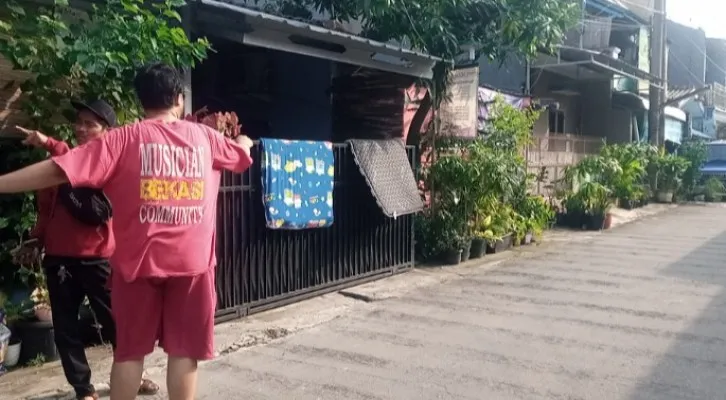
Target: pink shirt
[162, 179]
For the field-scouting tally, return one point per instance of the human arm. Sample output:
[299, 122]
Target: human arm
[232, 155]
[38, 176]
[93, 163]
[40, 140]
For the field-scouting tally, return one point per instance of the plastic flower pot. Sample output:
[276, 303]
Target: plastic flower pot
[452, 257]
[608, 223]
[37, 337]
[664, 197]
[13, 355]
[478, 248]
[595, 222]
[576, 219]
[466, 251]
[499, 246]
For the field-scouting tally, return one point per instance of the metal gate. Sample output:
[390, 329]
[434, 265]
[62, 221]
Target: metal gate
[260, 268]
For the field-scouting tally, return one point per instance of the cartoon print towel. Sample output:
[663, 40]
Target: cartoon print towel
[297, 183]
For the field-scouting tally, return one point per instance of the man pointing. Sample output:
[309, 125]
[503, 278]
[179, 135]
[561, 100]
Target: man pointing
[162, 283]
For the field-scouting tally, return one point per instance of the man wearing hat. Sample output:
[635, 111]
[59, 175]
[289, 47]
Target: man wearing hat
[77, 244]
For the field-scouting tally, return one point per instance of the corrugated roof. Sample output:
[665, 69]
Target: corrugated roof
[243, 8]
[674, 92]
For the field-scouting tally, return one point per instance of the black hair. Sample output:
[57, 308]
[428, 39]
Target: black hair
[158, 86]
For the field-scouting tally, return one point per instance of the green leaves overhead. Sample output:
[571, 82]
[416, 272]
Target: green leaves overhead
[441, 27]
[73, 54]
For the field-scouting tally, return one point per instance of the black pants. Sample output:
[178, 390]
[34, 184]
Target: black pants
[70, 280]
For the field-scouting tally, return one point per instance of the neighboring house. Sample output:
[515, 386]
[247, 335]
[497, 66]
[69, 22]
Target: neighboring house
[716, 61]
[686, 56]
[693, 62]
[715, 106]
[595, 87]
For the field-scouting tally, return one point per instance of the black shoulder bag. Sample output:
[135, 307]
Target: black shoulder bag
[90, 206]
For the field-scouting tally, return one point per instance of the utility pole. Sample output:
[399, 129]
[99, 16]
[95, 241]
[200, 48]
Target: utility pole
[657, 69]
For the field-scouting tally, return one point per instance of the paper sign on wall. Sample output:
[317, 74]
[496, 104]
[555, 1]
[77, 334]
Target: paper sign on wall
[459, 114]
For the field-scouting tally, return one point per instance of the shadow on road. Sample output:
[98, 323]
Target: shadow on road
[694, 366]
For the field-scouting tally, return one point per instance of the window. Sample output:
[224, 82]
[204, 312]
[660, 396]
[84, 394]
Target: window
[557, 121]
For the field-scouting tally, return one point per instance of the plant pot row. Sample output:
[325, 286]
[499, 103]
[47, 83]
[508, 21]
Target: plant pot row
[632, 204]
[585, 221]
[478, 247]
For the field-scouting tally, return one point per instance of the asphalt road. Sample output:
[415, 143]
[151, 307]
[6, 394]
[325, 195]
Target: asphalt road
[634, 313]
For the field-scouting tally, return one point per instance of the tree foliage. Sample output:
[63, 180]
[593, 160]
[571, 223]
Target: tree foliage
[441, 27]
[70, 54]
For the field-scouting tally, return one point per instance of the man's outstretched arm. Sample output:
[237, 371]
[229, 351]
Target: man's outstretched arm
[38, 176]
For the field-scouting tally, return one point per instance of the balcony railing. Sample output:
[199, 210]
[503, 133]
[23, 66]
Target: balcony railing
[553, 153]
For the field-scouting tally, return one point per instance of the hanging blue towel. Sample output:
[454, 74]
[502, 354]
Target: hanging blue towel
[297, 183]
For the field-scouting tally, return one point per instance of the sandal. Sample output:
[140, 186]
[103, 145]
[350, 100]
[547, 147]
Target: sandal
[93, 395]
[148, 388]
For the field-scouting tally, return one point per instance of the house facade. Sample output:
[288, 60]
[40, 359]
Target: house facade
[695, 61]
[593, 89]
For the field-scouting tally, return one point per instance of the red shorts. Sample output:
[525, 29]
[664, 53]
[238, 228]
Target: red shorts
[177, 312]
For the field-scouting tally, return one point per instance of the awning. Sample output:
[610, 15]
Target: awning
[232, 20]
[700, 134]
[586, 63]
[633, 101]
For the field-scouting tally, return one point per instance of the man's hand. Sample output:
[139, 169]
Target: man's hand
[33, 138]
[244, 141]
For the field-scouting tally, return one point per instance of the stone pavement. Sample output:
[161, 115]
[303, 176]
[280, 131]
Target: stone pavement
[632, 313]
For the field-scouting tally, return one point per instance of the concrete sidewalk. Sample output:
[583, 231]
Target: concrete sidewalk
[417, 328]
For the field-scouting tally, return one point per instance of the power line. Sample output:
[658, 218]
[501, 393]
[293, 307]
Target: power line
[705, 54]
[650, 8]
[688, 69]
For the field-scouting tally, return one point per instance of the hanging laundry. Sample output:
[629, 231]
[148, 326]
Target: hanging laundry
[297, 183]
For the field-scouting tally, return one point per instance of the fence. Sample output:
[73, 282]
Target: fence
[260, 268]
[553, 153]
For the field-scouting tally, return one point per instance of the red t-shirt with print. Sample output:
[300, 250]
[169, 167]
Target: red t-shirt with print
[162, 179]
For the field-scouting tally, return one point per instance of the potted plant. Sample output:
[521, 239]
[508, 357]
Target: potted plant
[537, 215]
[33, 276]
[669, 170]
[479, 241]
[453, 244]
[713, 189]
[36, 327]
[575, 208]
[597, 201]
[602, 203]
[502, 229]
[521, 228]
[13, 314]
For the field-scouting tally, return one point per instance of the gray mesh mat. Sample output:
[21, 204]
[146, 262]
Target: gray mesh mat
[387, 170]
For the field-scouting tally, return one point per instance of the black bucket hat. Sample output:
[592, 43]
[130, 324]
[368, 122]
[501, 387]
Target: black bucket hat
[99, 108]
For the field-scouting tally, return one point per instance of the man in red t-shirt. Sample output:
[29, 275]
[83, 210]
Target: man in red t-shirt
[162, 176]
